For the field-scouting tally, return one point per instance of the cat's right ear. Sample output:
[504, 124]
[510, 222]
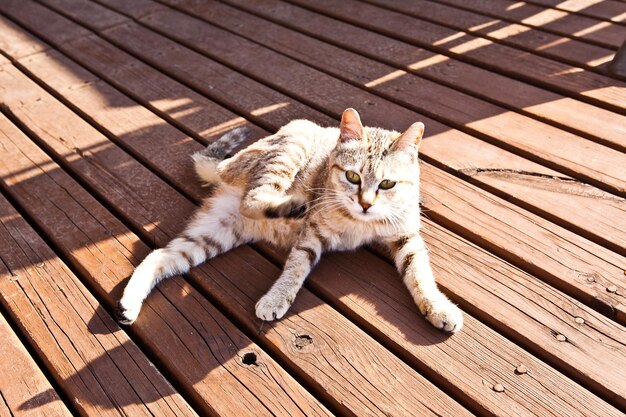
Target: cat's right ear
[351, 127]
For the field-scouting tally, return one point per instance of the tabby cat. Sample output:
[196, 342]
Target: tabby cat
[310, 189]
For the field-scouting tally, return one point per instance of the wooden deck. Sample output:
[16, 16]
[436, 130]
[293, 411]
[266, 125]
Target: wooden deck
[524, 183]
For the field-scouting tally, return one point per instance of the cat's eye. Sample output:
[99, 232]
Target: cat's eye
[386, 184]
[353, 177]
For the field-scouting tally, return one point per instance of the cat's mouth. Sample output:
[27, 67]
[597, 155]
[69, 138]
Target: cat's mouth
[359, 214]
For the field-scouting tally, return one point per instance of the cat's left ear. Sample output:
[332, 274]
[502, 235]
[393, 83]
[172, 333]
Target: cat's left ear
[410, 140]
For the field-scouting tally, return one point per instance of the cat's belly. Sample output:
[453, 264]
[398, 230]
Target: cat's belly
[281, 233]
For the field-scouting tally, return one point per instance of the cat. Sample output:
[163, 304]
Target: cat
[309, 189]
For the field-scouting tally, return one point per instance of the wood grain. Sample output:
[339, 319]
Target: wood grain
[607, 10]
[84, 350]
[24, 389]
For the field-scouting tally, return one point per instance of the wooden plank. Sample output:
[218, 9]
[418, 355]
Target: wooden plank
[607, 9]
[571, 81]
[604, 126]
[165, 92]
[532, 19]
[171, 100]
[24, 389]
[204, 351]
[335, 366]
[533, 186]
[490, 402]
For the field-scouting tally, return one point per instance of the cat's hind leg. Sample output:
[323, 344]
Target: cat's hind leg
[268, 193]
[215, 229]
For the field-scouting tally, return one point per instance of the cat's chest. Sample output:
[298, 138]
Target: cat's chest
[349, 238]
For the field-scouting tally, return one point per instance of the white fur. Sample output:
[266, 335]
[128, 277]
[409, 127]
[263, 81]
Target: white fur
[206, 168]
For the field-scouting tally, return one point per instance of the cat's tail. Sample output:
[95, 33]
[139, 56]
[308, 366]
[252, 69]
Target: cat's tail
[206, 161]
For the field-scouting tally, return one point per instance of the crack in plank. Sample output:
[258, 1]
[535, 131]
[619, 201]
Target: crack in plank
[545, 181]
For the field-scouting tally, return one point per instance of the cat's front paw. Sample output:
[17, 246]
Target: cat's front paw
[272, 306]
[294, 207]
[125, 313]
[443, 314]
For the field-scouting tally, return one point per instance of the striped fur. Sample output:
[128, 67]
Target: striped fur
[290, 189]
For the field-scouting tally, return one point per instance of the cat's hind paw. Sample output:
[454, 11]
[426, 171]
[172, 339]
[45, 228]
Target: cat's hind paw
[272, 307]
[125, 315]
[444, 315]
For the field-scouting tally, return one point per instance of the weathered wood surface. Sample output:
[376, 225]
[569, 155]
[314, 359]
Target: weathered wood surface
[612, 10]
[472, 13]
[84, 350]
[153, 85]
[587, 86]
[24, 389]
[87, 98]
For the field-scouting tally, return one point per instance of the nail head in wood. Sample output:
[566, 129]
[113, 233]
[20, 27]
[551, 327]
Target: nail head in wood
[521, 369]
[611, 289]
[579, 320]
[498, 388]
[561, 338]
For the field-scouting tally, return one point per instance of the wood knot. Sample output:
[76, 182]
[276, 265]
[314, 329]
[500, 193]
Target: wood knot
[302, 341]
[249, 358]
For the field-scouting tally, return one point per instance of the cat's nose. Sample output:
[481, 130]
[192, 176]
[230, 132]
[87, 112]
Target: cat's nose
[365, 205]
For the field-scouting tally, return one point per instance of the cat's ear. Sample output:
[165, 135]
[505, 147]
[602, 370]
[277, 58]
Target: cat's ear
[410, 140]
[351, 127]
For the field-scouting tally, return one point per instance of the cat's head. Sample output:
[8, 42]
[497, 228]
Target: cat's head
[375, 172]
